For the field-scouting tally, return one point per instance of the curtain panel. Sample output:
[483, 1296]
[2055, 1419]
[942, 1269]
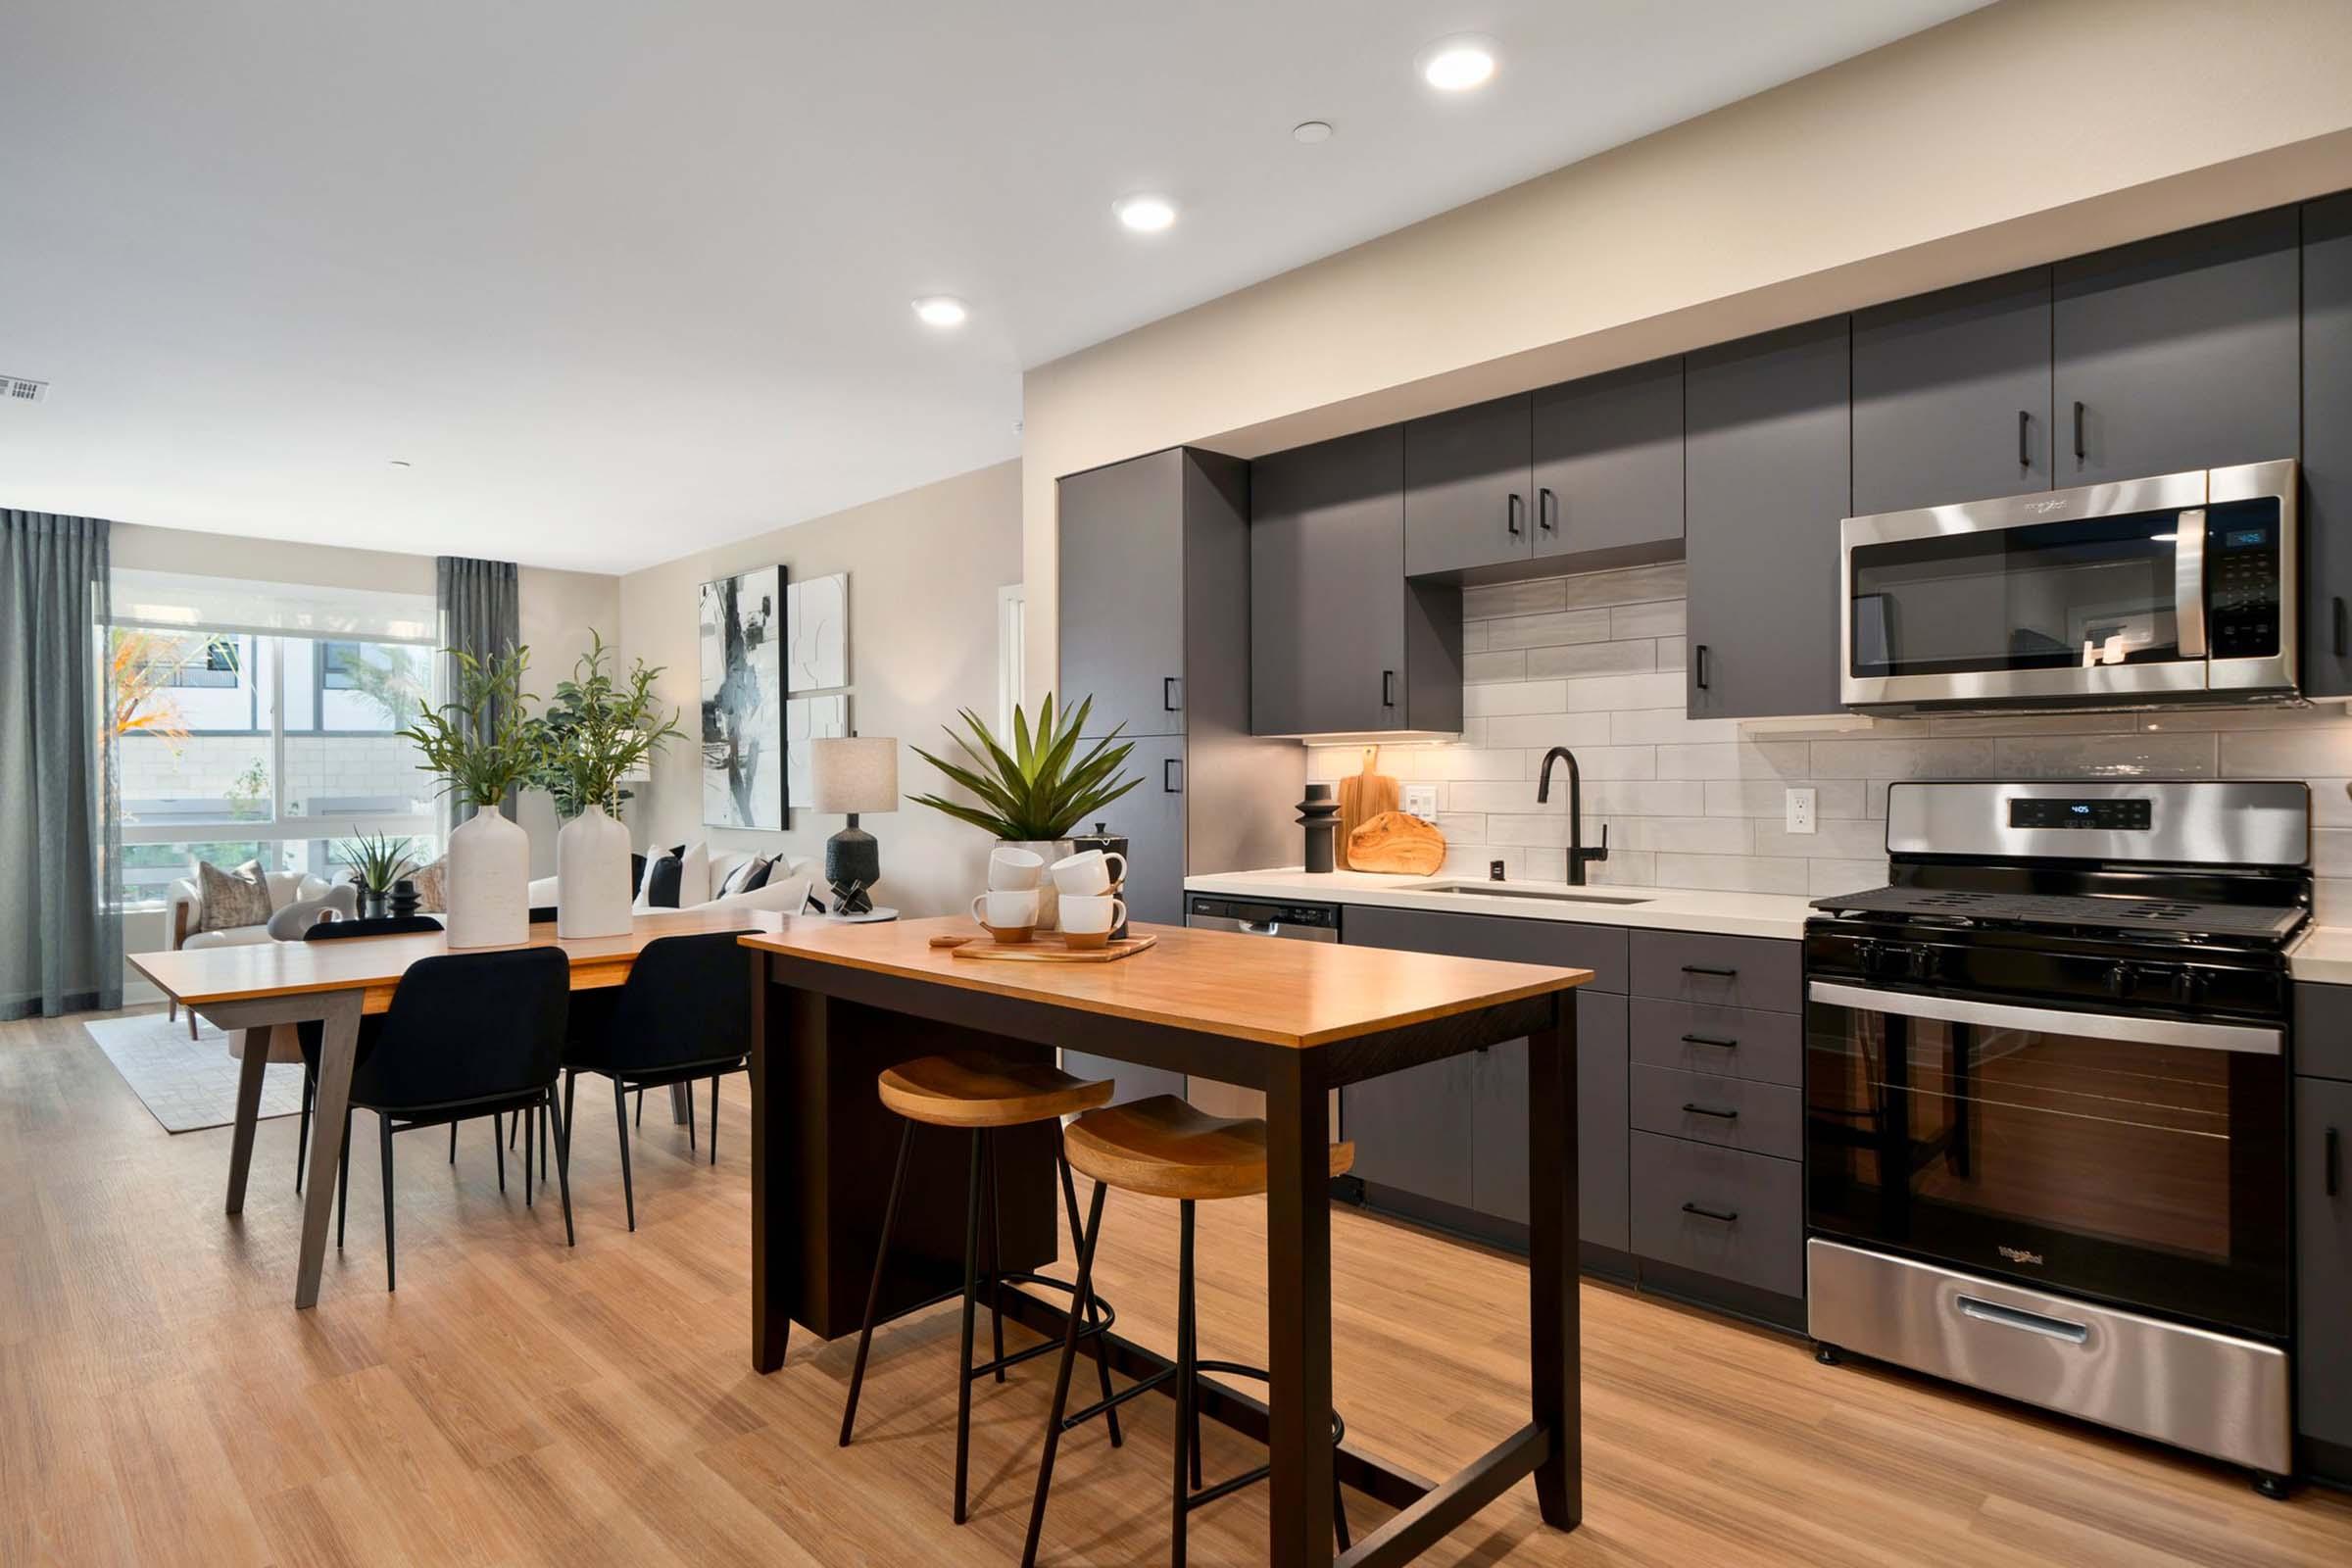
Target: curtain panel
[61, 934]
[481, 616]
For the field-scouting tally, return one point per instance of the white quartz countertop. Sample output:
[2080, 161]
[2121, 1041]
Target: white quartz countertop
[1736, 914]
[2323, 954]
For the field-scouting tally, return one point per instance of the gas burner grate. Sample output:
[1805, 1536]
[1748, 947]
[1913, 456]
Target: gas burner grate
[2054, 909]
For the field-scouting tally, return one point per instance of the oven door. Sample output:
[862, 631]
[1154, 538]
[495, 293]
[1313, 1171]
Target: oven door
[2136, 1161]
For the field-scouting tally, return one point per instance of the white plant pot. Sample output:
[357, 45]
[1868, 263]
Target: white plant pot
[1048, 897]
[489, 888]
[592, 876]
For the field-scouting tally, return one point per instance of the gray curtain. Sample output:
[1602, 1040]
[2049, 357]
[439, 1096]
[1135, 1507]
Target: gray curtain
[481, 614]
[61, 935]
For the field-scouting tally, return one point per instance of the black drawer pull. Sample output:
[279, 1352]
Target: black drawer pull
[1511, 515]
[1710, 1040]
[1170, 701]
[2333, 1165]
[2078, 451]
[1171, 776]
[1388, 688]
[2340, 648]
[1547, 510]
[1709, 970]
[1730, 1216]
[1699, 666]
[1717, 1112]
[2025, 453]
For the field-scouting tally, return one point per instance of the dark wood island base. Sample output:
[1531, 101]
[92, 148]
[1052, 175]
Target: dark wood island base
[834, 1005]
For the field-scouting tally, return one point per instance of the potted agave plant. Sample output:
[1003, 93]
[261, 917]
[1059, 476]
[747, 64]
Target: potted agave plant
[596, 731]
[1031, 794]
[483, 745]
[376, 862]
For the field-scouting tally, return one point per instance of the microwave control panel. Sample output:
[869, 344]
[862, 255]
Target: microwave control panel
[2242, 580]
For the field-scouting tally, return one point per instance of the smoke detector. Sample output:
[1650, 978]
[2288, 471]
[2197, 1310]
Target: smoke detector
[17, 389]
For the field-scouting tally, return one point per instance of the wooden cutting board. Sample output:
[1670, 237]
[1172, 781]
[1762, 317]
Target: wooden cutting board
[1362, 799]
[1048, 949]
[1398, 843]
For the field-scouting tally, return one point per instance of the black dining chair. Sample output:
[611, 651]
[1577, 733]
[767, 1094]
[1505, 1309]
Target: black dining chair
[467, 1035]
[684, 1013]
[407, 925]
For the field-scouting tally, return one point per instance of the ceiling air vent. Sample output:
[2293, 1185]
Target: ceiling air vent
[15, 389]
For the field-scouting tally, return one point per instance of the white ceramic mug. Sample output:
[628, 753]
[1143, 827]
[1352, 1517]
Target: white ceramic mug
[1091, 913]
[1014, 870]
[1089, 872]
[1006, 909]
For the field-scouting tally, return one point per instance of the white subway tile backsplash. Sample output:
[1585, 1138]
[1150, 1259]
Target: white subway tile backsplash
[1666, 617]
[1525, 697]
[1474, 636]
[2320, 750]
[1481, 668]
[1550, 631]
[1903, 758]
[1606, 761]
[1825, 877]
[1615, 693]
[1731, 873]
[1548, 729]
[1517, 794]
[1846, 839]
[1765, 760]
[1516, 598]
[1644, 796]
[1767, 798]
[2135, 755]
[1633, 585]
[1593, 659]
[1663, 725]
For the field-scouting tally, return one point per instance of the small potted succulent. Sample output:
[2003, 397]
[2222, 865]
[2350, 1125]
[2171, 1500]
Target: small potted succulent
[1032, 795]
[483, 746]
[377, 862]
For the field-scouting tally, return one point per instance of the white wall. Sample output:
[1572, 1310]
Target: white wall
[925, 568]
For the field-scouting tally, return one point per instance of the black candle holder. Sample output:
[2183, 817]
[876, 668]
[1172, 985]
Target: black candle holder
[1319, 814]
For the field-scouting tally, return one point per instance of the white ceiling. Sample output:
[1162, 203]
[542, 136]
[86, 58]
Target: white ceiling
[621, 281]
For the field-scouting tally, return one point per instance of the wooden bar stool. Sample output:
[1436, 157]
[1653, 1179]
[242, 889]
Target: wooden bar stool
[980, 1093]
[1162, 1147]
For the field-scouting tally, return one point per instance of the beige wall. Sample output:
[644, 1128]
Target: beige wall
[925, 568]
[2024, 132]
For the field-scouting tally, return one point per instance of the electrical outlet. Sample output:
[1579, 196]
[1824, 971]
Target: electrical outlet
[1800, 811]
[1421, 801]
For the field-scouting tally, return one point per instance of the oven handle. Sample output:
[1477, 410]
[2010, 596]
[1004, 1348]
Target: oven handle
[2188, 582]
[2011, 1317]
[2241, 1038]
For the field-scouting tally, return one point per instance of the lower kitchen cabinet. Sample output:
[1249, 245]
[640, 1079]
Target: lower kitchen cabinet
[2323, 1273]
[1498, 1124]
[1720, 1214]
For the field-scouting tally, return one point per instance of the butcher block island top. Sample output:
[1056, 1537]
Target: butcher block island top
[1296, 994]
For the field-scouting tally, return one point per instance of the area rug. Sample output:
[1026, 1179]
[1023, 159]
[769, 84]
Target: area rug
[188, 1084]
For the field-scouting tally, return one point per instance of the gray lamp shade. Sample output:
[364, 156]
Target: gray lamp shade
[854, 773]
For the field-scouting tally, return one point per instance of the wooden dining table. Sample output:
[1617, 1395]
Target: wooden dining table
[835, 1006]
[255, 986]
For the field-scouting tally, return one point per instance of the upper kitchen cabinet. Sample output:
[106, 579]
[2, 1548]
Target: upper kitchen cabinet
[1468, 488]
[1767, 474]
[1608, 465]
[1122, 592]
[1340, 641]
[2327, 447]
[2178, 352]
[1952, 395]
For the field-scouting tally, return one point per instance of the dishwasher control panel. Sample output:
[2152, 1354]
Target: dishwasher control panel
[1261, 913]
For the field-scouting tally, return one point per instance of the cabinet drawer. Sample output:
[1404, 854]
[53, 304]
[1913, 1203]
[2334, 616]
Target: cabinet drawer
[1719, 1211]
[2324, 1031]
[1599, 949]
[1735, 1112]
[1717, 971]
[1728, 1042]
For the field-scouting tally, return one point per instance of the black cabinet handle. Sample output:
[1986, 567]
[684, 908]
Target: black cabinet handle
[1710, 1040]
[1716, 1111]
[1511, 515]
[1388, 688]
[1728, 1216]
[1172, 695]
[2340, 648]
[1699, 666]
[1708, 969]
[2078, 451]
[1171, 776]
[2024, 449]
[1547, 510]
[2332, 1165]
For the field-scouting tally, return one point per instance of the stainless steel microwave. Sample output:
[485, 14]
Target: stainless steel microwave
[2151, 592]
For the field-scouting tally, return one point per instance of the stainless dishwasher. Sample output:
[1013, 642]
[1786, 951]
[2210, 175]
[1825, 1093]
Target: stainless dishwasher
[1256, 917]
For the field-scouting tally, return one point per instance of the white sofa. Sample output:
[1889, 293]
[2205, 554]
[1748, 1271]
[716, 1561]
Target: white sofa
[786, 890]
[187, 913]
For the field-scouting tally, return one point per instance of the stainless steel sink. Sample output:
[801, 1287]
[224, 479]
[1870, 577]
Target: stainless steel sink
[1522, 889]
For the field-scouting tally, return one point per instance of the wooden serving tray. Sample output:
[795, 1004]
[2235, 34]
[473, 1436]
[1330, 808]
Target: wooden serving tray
[1047, 947]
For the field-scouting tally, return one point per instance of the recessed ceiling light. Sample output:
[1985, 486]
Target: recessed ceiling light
[1311, 131]
[1146, 215]
[1457, 65]
[941, 310]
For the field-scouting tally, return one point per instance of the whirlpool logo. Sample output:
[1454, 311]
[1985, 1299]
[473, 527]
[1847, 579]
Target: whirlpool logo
[2018, 1254]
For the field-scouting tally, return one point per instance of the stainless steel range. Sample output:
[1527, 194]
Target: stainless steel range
[2046, 1102]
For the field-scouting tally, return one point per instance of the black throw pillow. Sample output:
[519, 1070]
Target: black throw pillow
[661, 879]
[757, 877]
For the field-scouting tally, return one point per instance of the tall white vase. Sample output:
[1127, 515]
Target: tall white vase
[592, 876]
[489, 883]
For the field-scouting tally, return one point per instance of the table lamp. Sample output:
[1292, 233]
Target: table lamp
[852, 774]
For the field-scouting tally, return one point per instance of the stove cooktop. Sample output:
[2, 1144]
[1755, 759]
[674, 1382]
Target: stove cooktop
[1958, 907]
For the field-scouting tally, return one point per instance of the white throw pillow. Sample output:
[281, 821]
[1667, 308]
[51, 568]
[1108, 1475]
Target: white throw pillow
[694, 878]
[782, 895]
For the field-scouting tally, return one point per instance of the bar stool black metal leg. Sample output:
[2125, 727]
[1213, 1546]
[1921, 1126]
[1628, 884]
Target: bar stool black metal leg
[1188, 1392]
[996, 1255]
[383, 1126]
[971, 1294]
[1069, 1199]
[873, 1291]
[620, 1116]
[1061, 1376]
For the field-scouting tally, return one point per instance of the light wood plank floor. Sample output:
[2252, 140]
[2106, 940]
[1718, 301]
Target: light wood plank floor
[519, 1403]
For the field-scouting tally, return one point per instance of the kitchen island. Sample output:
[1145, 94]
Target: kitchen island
[833, 1007]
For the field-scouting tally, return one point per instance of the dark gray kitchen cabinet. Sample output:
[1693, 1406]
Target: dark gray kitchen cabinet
[1121, 595]
[1467, 487]
[2178, 352]
[2324, 1261]
[2327, 447]
[1340, 641]
[1152, 817]
[1498, 1124]
[1952, 395]
[1767, 475]
[1608, 464]
[1412, 1130]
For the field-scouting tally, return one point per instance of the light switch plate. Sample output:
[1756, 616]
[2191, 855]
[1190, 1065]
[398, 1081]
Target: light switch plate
[1421, 801]
[1800, 810]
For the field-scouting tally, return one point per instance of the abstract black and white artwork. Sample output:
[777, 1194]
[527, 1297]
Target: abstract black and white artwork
[741, 623]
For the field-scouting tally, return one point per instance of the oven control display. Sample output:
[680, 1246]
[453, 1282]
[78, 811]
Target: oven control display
[2110, 815]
